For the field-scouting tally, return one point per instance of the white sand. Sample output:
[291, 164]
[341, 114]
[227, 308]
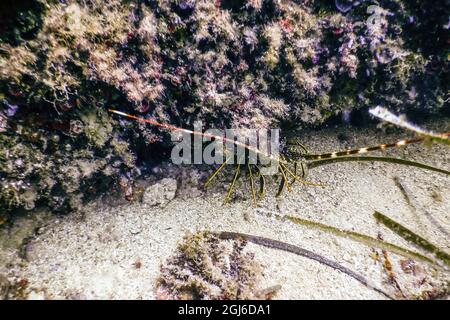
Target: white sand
[92, 254]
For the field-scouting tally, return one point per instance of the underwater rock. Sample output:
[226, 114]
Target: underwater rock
[30, 253]
[207, 268]
[255, 65]
[161, 193]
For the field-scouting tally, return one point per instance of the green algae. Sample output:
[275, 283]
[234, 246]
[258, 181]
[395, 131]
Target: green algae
[412, 237]
[367, 240]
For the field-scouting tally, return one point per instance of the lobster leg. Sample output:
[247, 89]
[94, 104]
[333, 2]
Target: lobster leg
[298, 178]
[298, 144]
[262, 183]
[252, 183]
[230, 189]
[216, 172]
[284, 181]
[281, 187]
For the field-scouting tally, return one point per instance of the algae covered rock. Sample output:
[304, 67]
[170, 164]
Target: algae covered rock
[207, 268]
[161, 193]
[252, 64]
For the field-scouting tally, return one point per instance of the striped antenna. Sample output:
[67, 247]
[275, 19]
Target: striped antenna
[198, 133]
[152, 122]
[332, 155]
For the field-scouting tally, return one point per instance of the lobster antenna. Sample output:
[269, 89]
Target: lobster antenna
[332, 155]
[198, 133]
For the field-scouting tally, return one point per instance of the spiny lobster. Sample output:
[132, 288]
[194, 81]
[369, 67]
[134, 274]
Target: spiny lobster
[293, 162]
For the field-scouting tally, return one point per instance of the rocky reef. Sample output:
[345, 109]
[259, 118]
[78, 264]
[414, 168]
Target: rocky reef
[253, 64]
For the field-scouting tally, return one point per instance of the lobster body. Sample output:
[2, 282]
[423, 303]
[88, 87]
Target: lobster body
[291, 163]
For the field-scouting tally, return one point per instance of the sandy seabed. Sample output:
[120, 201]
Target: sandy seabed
[93, 254]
